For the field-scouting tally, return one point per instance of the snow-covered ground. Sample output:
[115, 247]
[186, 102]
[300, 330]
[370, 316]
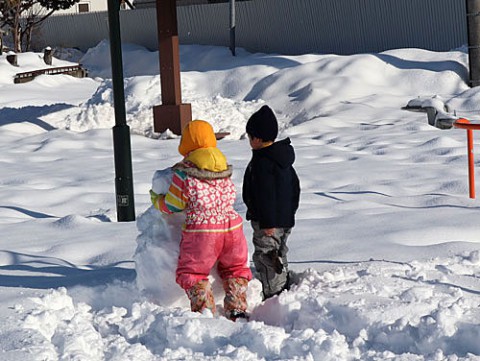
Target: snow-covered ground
[386, 244]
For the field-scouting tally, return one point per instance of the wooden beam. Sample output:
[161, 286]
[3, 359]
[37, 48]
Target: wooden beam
[172, 114]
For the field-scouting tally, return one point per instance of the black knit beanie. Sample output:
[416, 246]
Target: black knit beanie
[263, 124]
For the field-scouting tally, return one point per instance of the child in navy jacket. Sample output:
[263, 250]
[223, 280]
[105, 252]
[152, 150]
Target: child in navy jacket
[271, 192]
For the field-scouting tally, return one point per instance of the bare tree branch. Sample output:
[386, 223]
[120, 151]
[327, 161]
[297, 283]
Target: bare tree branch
[22, 17]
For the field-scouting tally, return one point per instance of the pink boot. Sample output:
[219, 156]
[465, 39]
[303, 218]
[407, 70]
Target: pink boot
[235, 301]
[201, 297]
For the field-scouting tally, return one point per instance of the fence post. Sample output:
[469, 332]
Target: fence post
[232, 27]
[473, 27]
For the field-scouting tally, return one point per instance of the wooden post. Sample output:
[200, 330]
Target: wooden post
[172, 114]
[12, 58]
[48, 55]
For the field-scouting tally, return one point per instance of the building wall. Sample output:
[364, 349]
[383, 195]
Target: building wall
[283, 26]
[84, 5]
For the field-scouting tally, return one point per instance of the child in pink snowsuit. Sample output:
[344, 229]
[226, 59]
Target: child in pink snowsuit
[213, 231]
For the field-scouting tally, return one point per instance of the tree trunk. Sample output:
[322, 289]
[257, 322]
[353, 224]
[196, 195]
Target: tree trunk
[28, 37]
[17, 39]
[30, 24]
[16, 32]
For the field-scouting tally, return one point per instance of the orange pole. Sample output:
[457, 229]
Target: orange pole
[471, 171]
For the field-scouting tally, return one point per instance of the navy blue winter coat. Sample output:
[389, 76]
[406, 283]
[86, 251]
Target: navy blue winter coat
[271, 189]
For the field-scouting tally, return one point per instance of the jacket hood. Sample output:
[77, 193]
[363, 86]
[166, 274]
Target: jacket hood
[211, 159]
[196, 134]
[280, 152]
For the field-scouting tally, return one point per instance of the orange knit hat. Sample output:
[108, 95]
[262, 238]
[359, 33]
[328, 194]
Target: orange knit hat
[196, 134]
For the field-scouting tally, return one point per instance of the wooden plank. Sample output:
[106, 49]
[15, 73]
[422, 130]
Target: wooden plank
[73, 70]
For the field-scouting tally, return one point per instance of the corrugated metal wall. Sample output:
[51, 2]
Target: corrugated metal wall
[284, 26]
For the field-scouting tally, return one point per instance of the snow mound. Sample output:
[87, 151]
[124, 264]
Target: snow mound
[373, 310]
[142, 93]
[157, 249]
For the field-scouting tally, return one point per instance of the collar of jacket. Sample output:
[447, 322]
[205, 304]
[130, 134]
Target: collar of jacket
[192, 170]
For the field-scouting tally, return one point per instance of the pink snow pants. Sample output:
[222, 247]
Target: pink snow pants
[199, 251]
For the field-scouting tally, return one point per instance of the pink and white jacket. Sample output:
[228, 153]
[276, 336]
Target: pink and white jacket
[206, 196]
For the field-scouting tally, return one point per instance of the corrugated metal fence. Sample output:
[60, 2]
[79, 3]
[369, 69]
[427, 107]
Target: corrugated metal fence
[283, 26]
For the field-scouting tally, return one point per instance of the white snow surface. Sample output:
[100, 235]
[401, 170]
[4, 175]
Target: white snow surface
[386, 244]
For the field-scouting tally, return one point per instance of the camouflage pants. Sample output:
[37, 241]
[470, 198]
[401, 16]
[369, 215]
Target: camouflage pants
[270, 259]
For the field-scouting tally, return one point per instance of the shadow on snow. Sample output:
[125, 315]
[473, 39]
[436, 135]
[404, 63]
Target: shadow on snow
[30, 271]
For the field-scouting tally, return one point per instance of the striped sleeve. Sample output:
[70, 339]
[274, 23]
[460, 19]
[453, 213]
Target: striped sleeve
[175, 199]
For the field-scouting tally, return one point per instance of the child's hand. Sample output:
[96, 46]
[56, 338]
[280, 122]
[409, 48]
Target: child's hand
[154, 197]
[269, 232]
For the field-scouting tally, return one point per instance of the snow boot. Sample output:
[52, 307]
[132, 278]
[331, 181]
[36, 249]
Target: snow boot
[235, 301]
[201, 297]
[235, 315]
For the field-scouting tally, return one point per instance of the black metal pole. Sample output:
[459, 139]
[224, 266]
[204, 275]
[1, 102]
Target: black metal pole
[232, 27]
[473, 26]
[121, 131]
